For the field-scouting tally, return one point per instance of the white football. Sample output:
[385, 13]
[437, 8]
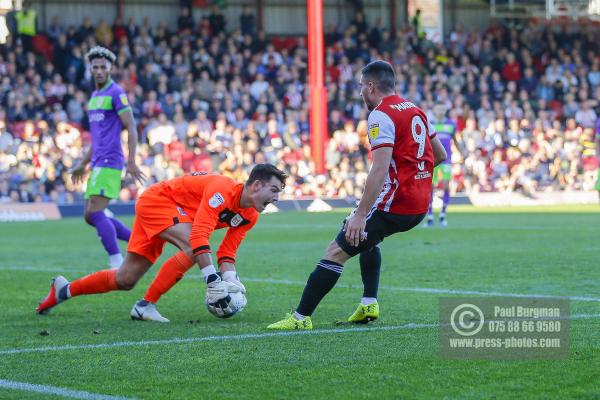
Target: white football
[228, 307]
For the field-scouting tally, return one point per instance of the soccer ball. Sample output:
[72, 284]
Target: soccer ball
[227, 307]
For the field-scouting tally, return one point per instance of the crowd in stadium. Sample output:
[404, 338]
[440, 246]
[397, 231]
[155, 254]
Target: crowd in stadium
[206, 97]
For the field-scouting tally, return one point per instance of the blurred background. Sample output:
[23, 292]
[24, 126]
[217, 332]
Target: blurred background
[221, 85]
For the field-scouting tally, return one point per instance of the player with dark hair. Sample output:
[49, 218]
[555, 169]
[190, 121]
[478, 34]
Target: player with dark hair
[183, 211]
[109, 113]
[173, 270]
[445, 129]
[405, 150]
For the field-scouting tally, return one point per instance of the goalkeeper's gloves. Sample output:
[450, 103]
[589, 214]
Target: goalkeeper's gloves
[217, 290]
[234, 282]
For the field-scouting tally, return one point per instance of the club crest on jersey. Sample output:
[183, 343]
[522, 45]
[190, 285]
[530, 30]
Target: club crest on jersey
[216, 200]
[236, 220]
[124, 100]
[374, 131]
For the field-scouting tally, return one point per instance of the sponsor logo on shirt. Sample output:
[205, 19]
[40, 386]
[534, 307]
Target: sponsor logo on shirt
[216, 200]
[124, 100]
[181, 212]
[236, 220]
[97, 117]
[232, 219]
[374, 131]
[422, 174]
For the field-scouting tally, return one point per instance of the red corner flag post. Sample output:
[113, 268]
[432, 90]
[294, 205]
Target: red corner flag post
[318, 94]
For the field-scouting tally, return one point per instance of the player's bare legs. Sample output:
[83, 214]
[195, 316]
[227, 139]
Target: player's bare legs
[108, 229]
[179, 236]
[125, 278]
[108, 280]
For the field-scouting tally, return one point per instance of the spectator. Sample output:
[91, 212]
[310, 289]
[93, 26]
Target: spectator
[207, 101]
[247, 21]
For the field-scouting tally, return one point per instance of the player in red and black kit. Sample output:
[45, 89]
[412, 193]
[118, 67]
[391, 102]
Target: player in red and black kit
[405, 150]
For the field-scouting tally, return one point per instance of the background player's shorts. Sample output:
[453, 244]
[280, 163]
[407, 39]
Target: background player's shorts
[379, 226]
[443, 171]
[153, 214]
[105, 182]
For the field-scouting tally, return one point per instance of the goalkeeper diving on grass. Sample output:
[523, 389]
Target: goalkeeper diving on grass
[183, 211]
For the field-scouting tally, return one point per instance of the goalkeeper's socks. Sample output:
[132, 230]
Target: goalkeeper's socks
[169, 274]
[370, 265]
[319, 283]
[97, 282]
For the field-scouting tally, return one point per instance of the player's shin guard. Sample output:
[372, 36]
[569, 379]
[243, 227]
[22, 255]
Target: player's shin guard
[169, 274]
[370, 265]
[319, 283]
[98, 282]
[106, 231]
[122, 231]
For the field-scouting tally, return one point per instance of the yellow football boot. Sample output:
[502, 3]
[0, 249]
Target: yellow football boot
[365, 314]
[291, 323]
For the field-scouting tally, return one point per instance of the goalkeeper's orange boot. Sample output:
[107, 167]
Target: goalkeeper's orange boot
[56, 296]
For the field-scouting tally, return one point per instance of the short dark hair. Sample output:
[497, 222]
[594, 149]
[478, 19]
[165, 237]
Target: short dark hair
[264, 172]
[382, 73]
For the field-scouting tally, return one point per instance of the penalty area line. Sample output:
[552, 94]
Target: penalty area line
[58, 391]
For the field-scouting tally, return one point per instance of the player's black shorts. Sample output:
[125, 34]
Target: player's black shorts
[379, 226]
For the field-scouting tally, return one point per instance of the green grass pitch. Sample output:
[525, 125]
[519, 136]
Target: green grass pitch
[548, 251]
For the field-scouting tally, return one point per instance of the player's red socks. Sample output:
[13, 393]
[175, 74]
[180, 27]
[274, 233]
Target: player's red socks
[98, 282]
[169, 274]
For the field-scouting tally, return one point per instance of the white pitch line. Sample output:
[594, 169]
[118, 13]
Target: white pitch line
[244, 336]
[58, 391]
[434, 290]
[346, 286]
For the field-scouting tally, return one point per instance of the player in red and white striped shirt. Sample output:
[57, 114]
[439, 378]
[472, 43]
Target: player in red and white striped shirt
[405, 150]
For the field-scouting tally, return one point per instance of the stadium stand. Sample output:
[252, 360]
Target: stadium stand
[524, 99]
